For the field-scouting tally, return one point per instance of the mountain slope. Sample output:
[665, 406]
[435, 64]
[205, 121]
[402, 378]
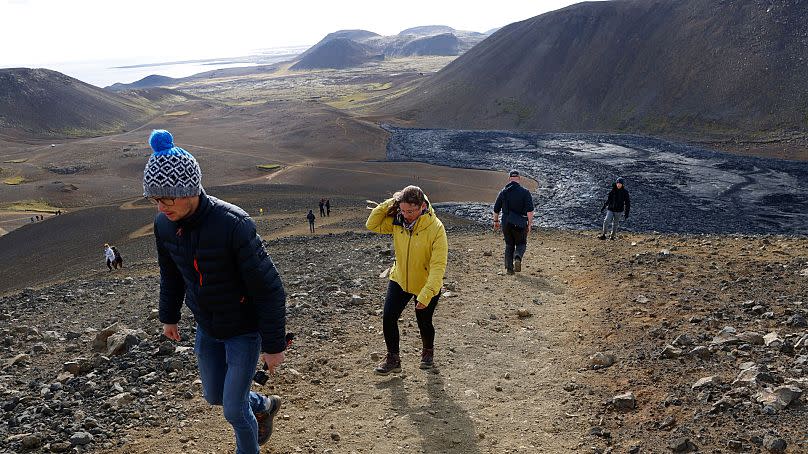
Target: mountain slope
[701, 66]
[337, 53]
[151, 81]
[425, 40]
[45, 103]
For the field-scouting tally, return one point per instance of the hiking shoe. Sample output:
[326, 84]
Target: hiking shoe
[427, 356]
[265, 419]
[517, 264]
[602, 237]
[509, 271]
[611, 237]
[391, 363]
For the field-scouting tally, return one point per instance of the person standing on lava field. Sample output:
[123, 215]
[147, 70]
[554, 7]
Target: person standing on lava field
[617, 201]
[211, 257]
[516, 205]
[421, 248]
[322, 208]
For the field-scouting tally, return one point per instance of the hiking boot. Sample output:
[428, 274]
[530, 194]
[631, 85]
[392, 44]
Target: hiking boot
[602, 236]
[612, 236]
[509, 271]
[266, 417]
[427, 356]
[391, 363]
[517, 264]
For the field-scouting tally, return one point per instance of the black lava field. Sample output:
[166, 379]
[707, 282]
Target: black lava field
[675, 188]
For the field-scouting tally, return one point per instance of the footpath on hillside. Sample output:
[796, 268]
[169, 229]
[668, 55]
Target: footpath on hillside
[633, 345]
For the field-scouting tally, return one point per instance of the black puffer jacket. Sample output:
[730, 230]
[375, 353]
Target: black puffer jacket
[618, 200]
[214, 259]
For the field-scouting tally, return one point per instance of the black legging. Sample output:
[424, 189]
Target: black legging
[394, 304]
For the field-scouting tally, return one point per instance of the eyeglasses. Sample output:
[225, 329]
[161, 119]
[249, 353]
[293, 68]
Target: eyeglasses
[167, 201]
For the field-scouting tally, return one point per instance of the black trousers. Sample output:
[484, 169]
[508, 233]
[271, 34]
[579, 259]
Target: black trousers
[394, 303]
[515, 243]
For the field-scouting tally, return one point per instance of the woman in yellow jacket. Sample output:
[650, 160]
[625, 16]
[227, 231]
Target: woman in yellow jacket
[419, 240]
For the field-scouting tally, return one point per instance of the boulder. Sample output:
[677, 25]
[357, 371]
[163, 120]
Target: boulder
[706, 382]
[778, 398]
[625, 401]
[600, 360]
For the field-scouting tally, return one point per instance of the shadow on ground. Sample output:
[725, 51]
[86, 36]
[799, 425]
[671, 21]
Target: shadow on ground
[443, 425]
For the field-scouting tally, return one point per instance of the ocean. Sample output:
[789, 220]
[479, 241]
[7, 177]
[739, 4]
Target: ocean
[103, 73]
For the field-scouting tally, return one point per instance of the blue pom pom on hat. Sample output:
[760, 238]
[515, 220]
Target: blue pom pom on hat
[170, 171]
[160, 140]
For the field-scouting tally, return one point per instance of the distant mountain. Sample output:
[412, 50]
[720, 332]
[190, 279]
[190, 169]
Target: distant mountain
[337, 53]
[427, 30]
[354, 35]
[154, 80]
[445, 44]
[425, 40]
[45, 103]
[712, 67]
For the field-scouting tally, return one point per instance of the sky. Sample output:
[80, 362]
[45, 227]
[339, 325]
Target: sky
[39, 32]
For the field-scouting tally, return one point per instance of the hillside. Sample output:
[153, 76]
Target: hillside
[651, 343]
[337, 54]
[45, 103]
[154, 80]
[443, 44]
[703, 67]
[438, 40]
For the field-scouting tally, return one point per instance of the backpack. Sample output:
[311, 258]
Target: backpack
[117, 254]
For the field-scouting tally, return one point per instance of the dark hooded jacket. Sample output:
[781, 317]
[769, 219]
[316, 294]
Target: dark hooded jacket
[516, 202]
[215, 261]
[618, 200]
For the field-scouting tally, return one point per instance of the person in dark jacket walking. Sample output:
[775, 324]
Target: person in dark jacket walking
[328, 207]
[322, 208]
[617, 201]
[310, 217]
[211, 257]
[516, 205]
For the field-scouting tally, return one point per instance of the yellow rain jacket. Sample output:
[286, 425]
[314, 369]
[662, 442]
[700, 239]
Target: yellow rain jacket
[420, 255]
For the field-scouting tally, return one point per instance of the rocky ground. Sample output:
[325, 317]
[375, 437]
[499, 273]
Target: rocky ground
[650, 343]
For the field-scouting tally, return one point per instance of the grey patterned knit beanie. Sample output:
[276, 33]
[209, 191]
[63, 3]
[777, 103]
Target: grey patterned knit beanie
[171, 171]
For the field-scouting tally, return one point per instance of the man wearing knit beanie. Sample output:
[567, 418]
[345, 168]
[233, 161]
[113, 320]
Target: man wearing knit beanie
[211, 257]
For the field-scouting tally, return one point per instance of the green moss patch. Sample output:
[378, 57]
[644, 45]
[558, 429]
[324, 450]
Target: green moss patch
[14, 180]
[40, 206]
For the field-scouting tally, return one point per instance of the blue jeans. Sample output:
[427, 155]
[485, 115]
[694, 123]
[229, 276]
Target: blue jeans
[226, 367]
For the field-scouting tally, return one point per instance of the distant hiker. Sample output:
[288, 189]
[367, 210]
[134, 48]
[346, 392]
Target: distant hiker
[310, 217]
[322, 208]
[260, 212]
[211, 256]
[117, 262]
[109, 255]
[327, 207]
[516, 205]
[419, 240]
[617, 201]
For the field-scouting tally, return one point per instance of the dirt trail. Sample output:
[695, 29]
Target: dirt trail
[499, 385]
